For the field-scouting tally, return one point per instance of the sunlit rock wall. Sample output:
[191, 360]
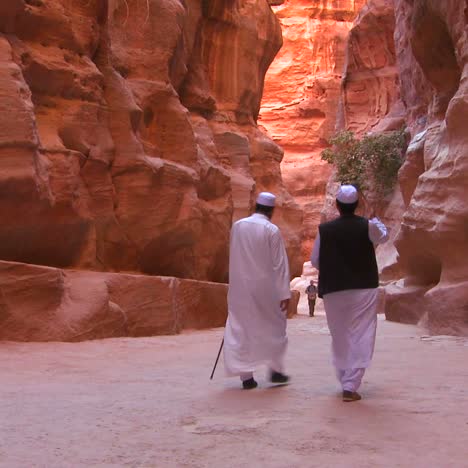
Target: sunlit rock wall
[302, 91]
[128, 137]
[432, 243]
[407, 63]
[370, 83]
[371, 103]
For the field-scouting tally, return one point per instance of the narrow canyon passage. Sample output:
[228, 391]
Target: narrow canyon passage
[148, 402]
[133, 139]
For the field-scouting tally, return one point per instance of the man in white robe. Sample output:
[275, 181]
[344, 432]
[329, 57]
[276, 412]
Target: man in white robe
[258, 297]
[348, 282]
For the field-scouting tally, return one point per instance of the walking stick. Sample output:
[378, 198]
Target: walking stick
[217, 358]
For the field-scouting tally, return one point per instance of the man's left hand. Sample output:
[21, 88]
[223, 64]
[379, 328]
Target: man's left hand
[284, 304]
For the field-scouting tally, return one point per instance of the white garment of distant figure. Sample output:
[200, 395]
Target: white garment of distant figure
[352, 320]
[258, 282]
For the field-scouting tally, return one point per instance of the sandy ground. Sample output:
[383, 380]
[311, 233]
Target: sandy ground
[148, 403]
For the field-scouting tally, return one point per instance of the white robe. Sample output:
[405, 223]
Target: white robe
[258, 281]
[352, 314]
[352, 321]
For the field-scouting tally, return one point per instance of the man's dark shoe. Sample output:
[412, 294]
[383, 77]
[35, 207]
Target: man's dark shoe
[279, 378]
[351, 396]
[249, 384]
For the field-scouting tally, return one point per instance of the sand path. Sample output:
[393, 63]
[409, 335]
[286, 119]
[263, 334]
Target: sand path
[148, 403]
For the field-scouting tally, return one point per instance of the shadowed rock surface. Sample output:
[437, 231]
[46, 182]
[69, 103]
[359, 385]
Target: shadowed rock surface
[128, 143]
[432, 242]
[128, 139]
[405, 65]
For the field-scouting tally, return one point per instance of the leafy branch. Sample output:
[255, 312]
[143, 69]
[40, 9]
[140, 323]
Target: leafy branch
[371, 164]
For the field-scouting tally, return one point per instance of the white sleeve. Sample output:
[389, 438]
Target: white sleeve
[314, 258]
[378, 233]
[280, 266]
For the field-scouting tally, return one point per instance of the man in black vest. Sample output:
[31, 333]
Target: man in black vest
[348, 280]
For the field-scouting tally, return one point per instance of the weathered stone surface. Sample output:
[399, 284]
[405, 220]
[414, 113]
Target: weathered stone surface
[48, 304]
[432, 241]
[302, 91]
[415, 90]
[370, 83]
[424, 42]
[405, 303]
[370, 99]
[293, 303]
[406, 62]
[371, 102]
[113, 146]
[200, 307]
[432, 54]
[39, 303]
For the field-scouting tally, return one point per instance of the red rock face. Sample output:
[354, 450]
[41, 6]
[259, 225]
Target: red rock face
[128, 139]
[49, 304]
[370, 84]
[370, 97]
[425, 41]
[41, 303]
[432, 240]
[302, 92]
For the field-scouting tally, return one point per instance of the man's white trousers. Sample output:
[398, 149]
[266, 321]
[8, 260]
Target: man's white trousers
[352, 321]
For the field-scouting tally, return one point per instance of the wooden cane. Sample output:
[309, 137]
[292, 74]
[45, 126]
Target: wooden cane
[216, 363]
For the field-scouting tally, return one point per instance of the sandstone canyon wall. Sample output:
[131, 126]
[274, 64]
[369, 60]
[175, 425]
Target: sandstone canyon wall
[407, 62]
[302, 93]
[370, 88]
[128, 136]
[130, 141]
[370, 93]
[432, 243]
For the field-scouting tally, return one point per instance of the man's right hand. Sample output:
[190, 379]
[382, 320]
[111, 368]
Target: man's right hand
[284, 304]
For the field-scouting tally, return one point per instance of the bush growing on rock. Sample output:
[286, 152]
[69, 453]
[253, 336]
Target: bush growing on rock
[371, 164]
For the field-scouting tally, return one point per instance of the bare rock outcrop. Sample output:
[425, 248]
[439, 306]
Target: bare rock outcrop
[432, 242]
[128, 137]
[129, 143]
[40, 303]
[413, 66]
[371, 82]
[302, 91]
[371, 103]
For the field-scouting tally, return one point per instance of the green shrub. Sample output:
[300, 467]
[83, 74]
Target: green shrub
[371, 164]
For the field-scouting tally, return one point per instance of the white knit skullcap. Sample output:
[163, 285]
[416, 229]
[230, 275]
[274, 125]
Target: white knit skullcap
[266, 199]
[347, 194]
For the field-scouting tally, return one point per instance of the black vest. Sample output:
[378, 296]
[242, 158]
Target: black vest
[347, 256]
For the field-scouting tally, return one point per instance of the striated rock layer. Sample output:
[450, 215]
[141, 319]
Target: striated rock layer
[371, 84]
[370, 92]
[128, 137]
[128, 143]
[49, 304]
[406, 63]
[371, 102]
[39, 303]
[432, 243]
[302, 92]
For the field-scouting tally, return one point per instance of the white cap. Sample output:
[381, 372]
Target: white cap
[347, 194]
[266, 199]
